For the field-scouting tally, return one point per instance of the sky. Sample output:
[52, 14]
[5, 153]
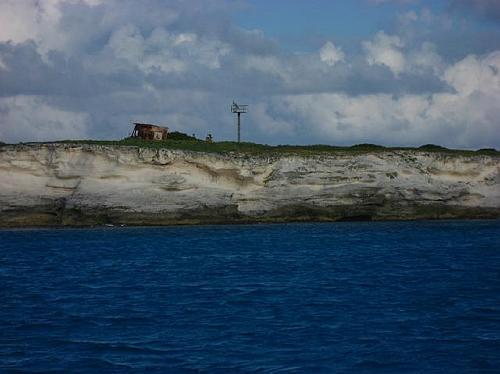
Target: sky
[389, 72]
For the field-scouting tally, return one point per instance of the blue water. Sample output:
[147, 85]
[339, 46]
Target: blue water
[395, 297]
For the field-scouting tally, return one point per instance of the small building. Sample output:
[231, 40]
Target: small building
[149, 131]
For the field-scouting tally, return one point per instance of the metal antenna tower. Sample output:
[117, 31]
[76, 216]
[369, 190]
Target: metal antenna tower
[238, 109]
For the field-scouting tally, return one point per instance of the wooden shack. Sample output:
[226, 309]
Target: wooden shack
[149, 131]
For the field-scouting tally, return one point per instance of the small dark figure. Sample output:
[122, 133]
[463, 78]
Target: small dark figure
[209, 138]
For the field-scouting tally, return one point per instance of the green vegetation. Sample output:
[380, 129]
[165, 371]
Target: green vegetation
[176, 135]
[192, 144]
[488, 151]
[432, 147]
[367, 146]
[182, 141]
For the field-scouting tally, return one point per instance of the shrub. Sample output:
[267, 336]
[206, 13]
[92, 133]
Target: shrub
[487, 150]
[176, 135]
[432, 147]
[367, 146]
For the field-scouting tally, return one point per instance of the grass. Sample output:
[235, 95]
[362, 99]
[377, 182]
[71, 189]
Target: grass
[254, 148]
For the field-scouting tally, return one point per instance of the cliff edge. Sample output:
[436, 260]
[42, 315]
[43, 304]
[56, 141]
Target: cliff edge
[85, 184]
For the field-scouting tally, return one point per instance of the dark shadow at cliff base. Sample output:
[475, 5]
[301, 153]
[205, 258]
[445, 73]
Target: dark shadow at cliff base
[361, 218]
[57, 215]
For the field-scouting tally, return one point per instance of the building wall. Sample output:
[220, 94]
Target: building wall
[150, 132]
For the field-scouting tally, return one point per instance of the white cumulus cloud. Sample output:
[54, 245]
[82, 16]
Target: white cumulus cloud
[32, 118]
[330, 54]
[23, 20]
[468, 117]
[386, 50]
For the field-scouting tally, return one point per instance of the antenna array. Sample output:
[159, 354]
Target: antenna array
[238, 109]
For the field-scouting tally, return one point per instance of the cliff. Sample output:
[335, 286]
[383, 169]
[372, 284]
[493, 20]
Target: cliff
[63, 184]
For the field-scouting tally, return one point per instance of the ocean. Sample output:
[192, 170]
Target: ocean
[350, 297]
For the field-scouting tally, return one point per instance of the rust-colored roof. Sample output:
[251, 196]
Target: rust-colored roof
[150, 126]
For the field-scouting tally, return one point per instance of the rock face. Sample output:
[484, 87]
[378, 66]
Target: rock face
[61, 184]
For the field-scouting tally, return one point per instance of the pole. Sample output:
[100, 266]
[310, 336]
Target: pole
[239, 114]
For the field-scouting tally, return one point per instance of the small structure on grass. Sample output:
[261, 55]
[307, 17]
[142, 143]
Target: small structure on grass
[148, 131]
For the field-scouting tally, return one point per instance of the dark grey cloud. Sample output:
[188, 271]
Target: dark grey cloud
[27, 73]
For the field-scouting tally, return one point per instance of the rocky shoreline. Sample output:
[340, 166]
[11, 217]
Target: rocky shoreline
[87, 185]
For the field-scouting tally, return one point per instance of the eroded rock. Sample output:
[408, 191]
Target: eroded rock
[63, 184]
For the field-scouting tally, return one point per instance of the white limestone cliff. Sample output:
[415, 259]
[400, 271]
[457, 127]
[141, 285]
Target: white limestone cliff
[63, 184]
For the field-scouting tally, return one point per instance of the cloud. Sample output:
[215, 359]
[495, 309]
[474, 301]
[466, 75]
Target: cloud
[87, 68]
[425, 59]
[163, 50]
[476, 75]
[389, 50]
[386, 50]
[330, 54]
[466, 118]
[31, 118]
[36, 20]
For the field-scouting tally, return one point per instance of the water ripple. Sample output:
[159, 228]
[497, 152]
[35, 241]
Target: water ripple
[301, 298]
